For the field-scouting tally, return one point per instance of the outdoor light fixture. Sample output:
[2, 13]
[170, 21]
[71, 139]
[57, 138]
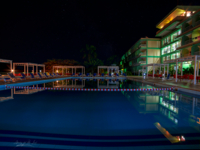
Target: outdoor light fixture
[12, 70]
[57, 81]
[56, 70]
[40, 70]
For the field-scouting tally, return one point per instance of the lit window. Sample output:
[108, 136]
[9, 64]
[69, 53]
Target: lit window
[188, 14]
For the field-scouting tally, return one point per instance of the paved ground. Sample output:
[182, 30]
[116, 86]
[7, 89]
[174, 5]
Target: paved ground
[184, 85]
[28, 80]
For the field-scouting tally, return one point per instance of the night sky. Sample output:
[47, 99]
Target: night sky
[34, 31]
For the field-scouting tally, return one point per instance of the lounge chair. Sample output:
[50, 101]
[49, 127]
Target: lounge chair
[73, 74]
[80, 75]
[168, 77]
[40, 76]
[110, 75]
[7, 79]
[87, 74]
[51, 75]
[102, 74]
[55, 75]
[23, 75]
[124, 74]
[32, 76]
[46, 75]
[11, 75]
[58, 74]
[94, 74]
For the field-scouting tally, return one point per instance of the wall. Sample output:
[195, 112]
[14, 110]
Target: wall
[155, 44]
[153, 52]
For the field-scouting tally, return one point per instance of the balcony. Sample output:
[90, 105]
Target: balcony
[188, 41]
[170, 26]
[143, 45]
[142, 62]
[187, 28]
[165, 52]
[197, 23]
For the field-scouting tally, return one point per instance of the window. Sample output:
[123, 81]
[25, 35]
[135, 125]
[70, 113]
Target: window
[130, 63]
[168, 49]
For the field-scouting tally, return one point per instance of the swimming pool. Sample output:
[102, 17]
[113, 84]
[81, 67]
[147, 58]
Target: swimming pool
[60, 119]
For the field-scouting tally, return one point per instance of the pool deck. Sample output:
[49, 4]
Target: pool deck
[183, 86]
[29, 81]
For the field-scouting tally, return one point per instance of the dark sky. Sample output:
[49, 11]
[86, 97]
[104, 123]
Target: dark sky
[34, 31]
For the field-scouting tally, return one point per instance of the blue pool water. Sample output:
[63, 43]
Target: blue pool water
[98, 120]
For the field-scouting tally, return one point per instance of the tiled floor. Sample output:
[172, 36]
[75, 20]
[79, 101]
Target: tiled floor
[184, 84]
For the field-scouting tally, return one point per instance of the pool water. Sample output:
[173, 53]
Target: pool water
[98, 119]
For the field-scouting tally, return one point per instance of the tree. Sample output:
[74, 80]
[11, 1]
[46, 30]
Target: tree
[59, 62]
[112, 60]
[93, 63]
[90, 57]
[89, 53]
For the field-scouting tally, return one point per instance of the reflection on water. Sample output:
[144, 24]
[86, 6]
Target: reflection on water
[171, 114]
[180, 109]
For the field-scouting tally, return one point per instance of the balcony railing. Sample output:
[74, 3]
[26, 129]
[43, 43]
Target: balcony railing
[142, 62]
[188, 41]
[197, 23]
[187, 28]
[143, 45]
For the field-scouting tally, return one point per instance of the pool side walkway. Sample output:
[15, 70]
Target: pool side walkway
[29, 81]
[183, 86]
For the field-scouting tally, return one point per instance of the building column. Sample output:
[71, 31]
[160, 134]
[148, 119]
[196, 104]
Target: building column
[153, 70]
[36, 69]
[33, 69]
[14, 69]
[181, 68]
[27, 69]
[11, 68]
[176, 70]
[147, 70]
[98, 70]
[72, 70]
[24, 69]
[43, 69]
[164, 71]
[198, 68]
[195, 68]
[62, 71]
[167, 69]
[160, 70]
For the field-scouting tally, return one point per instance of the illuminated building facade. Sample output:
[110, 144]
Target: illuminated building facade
[178, 36]
[144, 51]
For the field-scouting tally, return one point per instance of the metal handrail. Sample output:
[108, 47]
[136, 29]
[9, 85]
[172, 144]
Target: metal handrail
[188, 41]
[197, 22]
[187, 28]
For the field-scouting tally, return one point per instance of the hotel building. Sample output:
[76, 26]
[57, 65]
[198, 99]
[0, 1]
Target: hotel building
[178, 36]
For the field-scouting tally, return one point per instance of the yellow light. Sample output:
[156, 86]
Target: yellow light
[56, 70]
[12, 70]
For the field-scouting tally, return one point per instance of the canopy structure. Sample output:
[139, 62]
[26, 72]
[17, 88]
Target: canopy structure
[68, 84]
[156, 65]
[7, 61]
[109, 68]
[194, 58]
[28, 91]
[109, 84]
[27, 65]
[8, 97]
[69, 67]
